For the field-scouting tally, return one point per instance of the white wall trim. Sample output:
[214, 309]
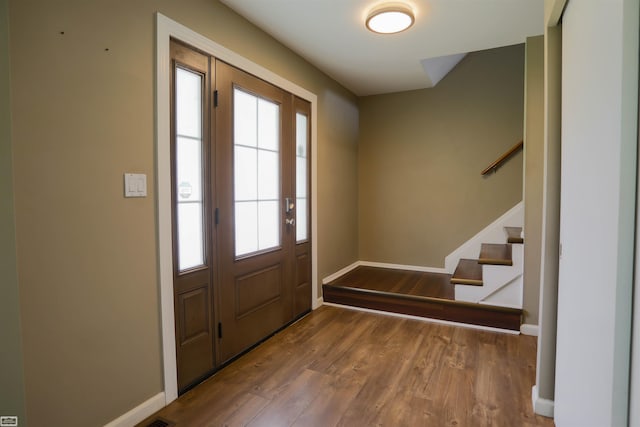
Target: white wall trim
[318, 303]
[340, 273]
[541, 406]
[140, 412]
[403, 267]
[165, 29]
[529, 329]
[424, 319]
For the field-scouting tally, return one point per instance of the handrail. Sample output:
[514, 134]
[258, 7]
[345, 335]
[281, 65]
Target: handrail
[500, 160]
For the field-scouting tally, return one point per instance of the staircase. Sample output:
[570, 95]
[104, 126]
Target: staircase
[485, 273]
[495, 277]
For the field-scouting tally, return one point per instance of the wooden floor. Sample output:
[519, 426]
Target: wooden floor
[339, 367]
[415, 283]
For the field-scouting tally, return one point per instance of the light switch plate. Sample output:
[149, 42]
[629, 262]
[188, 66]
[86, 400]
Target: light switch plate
[135, 185]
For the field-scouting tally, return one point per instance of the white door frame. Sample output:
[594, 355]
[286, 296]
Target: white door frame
[165, 30]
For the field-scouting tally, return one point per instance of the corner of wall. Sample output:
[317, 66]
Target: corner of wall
[541, 406]
[12, 398]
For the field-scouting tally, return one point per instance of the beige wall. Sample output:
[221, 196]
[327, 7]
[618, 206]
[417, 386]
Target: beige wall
[11, 369]
[421, 153]
[83, 115]
[533, 172]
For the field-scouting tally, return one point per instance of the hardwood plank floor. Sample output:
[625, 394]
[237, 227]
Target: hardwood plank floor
[339, 367]
[415, 283]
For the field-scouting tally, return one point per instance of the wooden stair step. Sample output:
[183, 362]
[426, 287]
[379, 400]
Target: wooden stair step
[495, 254]
[468, 272]
[514, 234]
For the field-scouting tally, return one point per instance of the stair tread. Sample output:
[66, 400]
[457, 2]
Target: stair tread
[468, 272]
[496, 254]
[514, 234]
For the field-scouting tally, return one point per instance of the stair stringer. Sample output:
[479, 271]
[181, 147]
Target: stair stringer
[493, 233]
[502, 285]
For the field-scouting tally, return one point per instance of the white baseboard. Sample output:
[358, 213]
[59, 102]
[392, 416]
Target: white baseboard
[541, 406]
[423, 319]
[356, 264]
[340, 272]
[529, 329]
[317, 303]
[140, 412]
[402, 267]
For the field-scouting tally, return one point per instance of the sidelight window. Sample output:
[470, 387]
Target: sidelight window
[189, 166]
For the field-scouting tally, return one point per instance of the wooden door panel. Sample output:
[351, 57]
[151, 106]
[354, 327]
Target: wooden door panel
[194, 311]
[258, 289]
[302, 291]
[193, 324]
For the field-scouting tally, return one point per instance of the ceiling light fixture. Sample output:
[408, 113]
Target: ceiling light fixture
[390, 18]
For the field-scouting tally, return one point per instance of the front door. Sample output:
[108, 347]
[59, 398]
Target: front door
[256, 204]
[242, 241]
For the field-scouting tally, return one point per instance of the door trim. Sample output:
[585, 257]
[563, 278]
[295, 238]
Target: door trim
[166, 28]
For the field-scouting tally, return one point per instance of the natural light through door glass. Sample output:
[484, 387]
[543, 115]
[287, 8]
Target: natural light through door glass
[302, 198]
[189, 185]
[256, 135]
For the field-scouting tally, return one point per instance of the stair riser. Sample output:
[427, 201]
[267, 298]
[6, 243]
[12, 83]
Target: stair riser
[451, 311]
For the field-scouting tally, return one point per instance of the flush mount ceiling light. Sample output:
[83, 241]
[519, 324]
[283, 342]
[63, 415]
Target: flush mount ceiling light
[389, 18]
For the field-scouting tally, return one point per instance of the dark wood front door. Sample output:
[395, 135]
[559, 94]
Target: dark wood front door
[256, 228]
[242, 239]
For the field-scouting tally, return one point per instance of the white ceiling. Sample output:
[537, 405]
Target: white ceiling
[331, 35]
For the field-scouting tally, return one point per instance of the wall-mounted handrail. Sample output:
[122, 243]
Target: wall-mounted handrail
[500, 160]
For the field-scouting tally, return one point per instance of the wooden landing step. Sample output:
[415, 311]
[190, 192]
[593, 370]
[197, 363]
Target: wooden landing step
[468, 272]
[514, 234]
[495, 254]
[434, 308]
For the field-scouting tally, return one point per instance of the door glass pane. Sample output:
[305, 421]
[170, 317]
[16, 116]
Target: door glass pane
[301, 177]
[301, 135]
[268, 175]
[256, 172]
[246, 173]
[188, 176]
[301, 219]
[188, 103]
[268, 224]
[190, 247]
[302, 198]
[245, 119]
[268, 125]
[246, 227]
[189, 189]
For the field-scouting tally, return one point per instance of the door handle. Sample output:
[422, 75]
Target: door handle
[289, 204]
[290, 221]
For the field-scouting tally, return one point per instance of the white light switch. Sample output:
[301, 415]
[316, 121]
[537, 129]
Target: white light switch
[135, 185]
